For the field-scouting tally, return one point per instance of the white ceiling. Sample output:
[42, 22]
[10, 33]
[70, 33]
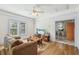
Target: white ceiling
[26, 9]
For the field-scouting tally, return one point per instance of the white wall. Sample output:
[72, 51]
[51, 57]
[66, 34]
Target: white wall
[4, 19]
[43, 22]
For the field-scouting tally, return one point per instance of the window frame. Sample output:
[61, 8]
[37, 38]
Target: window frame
[18, 27]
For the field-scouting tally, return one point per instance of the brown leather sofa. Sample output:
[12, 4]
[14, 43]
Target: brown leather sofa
[29, 48]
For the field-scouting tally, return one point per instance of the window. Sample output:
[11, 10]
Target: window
[22, 28]
[13, 28]
[41, 31]
[16, 27]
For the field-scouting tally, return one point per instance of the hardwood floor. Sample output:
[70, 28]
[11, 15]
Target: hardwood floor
[55, 48]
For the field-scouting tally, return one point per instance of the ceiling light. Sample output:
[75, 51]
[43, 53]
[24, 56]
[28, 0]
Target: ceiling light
[36, 11]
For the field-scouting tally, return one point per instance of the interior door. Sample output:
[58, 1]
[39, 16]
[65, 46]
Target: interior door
[70, 31]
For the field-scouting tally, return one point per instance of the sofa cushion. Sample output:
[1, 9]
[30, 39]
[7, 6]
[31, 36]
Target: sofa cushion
[17, 37]
[17, 42]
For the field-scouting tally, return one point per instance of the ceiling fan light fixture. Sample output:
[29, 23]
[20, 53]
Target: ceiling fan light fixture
[36, 11]
[35, 14]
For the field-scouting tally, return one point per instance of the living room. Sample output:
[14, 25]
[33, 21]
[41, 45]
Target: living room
[40, 29]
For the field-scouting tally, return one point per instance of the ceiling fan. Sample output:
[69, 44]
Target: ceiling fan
[36, 11]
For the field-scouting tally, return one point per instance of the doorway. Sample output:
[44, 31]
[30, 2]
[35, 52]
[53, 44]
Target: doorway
[64, 31]
[70, 30]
